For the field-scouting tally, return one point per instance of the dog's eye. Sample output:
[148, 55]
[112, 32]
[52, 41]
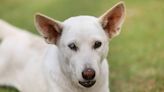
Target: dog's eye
[72, 46]
[97, 44]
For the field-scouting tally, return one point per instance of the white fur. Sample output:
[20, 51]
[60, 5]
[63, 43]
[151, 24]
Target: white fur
[21, 63]
[72, 62]
[31, 65]
[21, 59]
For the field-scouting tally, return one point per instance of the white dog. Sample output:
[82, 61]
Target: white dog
[75, 58]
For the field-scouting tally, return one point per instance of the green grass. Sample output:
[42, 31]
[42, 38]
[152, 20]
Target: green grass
[136, 55]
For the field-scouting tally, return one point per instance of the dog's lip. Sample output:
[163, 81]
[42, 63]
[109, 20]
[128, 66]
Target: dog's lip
[87, 84]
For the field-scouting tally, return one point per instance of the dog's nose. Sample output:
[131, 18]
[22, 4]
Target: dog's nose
[88, 74]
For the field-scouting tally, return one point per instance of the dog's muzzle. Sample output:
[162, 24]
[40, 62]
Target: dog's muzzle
[88, 75]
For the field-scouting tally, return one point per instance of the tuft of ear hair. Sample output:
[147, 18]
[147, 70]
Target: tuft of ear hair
[50, 29]
[113, 19]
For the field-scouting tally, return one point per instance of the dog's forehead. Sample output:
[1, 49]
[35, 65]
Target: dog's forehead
[76, 19]
[85, 26]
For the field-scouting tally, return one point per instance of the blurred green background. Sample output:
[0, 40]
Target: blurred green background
[136, 56]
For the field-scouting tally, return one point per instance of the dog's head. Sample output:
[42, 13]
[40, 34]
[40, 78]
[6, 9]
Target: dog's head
[82, 41]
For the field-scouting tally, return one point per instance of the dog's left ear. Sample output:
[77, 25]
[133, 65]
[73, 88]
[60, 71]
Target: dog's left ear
[50, 29]
[113, 19]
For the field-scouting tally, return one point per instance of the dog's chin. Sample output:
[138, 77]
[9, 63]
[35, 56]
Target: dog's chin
[87, 84]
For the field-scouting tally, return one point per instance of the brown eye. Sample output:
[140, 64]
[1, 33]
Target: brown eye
[72, 46]
[97, 44]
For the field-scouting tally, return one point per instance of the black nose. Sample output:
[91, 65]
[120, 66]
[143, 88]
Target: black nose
[88, 74]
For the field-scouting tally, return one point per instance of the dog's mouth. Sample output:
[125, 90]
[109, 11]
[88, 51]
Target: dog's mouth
[87, 84]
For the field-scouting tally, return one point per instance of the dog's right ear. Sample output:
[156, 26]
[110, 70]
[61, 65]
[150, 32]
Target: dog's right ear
[50, 29]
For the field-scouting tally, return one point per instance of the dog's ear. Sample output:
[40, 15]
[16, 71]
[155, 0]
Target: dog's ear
[50, 29]
[112, 20]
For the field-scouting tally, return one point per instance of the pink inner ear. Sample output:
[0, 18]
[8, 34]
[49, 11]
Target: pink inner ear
[49, 31]
[113, 20]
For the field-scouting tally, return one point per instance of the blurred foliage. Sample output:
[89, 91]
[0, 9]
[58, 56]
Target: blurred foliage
[136, 55]
[21, 13]
[8, 89]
